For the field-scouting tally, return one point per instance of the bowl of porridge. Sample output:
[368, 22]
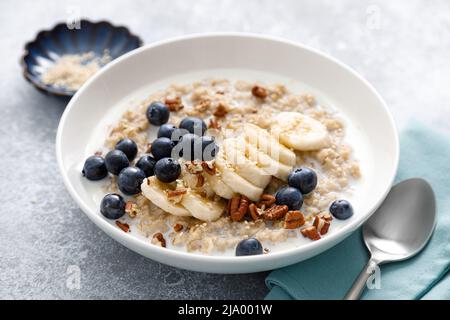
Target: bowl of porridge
[208, 158]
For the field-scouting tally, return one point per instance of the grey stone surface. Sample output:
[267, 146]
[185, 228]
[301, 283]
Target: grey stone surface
[402, 47]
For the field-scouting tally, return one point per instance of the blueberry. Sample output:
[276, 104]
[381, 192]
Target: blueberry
[341, 209]
[193, 125]
[130, 180]
[289, 196]
[167, 170]
[249, 247]
[146, 163]
[166, 130]
[94, 168]
[157, 113]
[190, 147]
[129, 147]
[304, 179]
[162, 148]
[115, 161]
[112, 206]
[209, 148]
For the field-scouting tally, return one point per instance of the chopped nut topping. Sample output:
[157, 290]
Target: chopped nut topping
[327, 217]
[233, 203]
[209, 170]
[131, 209]
[124, 226]
[203, 106]
[158, 239]
[255, 212]
[200, 181]
[321, 225]
[266, 200]
[220, 93]
[259, 92]
[174, 104]
[176, 193]
[311, 233]
[294, 220]
[238, 207]
[213, 124]
[275, 212]
[221, 111]
[194, 167]
[177, 227]
[149, 148]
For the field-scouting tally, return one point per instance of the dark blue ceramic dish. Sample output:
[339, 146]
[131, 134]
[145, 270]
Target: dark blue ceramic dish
[50, 45]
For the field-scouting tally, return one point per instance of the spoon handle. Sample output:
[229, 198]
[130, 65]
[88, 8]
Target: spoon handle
[360, 283]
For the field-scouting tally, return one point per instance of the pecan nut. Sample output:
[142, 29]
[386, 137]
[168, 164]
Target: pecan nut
[255, 212]
[321, 225]
[311, 233]
[200, 181]
[194, 167]
[275, 212]
[294, 220]
[131, 209]
[213, 124]
[124, 226]
[209, 170]
[203, 106]
[174, 104]
[327, 217]
[266, 200]
[221, 111]
[178, 227]
[158, 239]
[149, 148]
[176, 193]
[233, 203]
[238, 207]
[259, 92]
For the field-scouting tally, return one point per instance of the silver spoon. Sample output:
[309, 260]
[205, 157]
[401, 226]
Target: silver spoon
[399, 229]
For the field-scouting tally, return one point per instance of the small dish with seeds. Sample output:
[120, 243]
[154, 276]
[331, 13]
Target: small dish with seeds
[59, 61]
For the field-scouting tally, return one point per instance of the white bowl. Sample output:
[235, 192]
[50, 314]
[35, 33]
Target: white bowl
[131, 76]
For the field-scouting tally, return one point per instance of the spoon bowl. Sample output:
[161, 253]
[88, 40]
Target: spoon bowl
[402, 226]
[399, 229]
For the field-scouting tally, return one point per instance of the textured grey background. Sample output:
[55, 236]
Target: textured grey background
[402, 47]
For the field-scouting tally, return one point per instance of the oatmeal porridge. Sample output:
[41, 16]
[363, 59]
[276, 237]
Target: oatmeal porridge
[234, 161]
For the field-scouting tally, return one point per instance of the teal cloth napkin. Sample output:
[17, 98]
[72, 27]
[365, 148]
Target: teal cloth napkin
[426, 154]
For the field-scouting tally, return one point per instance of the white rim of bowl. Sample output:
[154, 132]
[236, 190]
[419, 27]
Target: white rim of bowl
[137, 242]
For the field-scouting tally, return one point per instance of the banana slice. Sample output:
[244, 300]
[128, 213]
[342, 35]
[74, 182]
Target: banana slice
[234, 150]
[235, 181]
[299, 132]
[154, 190]
[201, 208]
[267, 163]
[266, 143]
[218, 186]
